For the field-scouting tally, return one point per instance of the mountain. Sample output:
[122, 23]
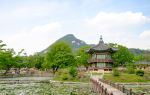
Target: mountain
[73, 41]
[139, 51]
[76, 43]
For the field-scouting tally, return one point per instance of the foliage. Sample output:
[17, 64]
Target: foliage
[59, 56]
[73, 71]
[142, 65]
[140, 72]
[123, 56]
[116, 72]
[62, 74]
[125, 77]
[40, 88]
[65, 75]
[7, 60]
[20, 59]
[83, 56]
[130, 68]
[146, 57]
[138, 58]
[36, 61]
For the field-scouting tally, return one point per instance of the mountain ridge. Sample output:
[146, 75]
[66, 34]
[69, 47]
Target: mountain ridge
[76, 43]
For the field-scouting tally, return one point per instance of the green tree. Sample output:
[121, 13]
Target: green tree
[83, 56]
[7, 61]
[30, 61]
[123, 56]
[59, 56]
[138, 57]
[19, 58]
[146, 57]
[39, 59]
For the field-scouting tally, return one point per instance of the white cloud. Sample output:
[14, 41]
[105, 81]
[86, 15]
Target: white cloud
[35, 39]
[118, 27]
[145, 34]
[104, 20]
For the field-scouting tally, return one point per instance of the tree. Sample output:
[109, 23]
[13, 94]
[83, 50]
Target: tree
[39, 60]
[138, 58]
[7, 61]
[21, 61]
[35, 60]
[123, 56]
[83, 56]
[146, 57]
[58, 56]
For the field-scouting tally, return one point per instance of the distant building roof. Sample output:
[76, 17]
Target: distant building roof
[101, 47]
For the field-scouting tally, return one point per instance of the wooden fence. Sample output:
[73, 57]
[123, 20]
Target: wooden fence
[120, 87]
[99, 88]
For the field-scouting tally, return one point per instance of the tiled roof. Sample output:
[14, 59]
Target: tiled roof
[101, 46]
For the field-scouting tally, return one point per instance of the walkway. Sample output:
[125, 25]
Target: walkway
[109, 88]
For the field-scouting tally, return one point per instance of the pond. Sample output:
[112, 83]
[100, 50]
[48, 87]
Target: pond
[9, 86]
[140, 88]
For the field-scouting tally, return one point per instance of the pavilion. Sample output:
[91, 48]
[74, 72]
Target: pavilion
[101, 58]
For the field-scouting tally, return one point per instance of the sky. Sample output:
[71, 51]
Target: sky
[35, 24]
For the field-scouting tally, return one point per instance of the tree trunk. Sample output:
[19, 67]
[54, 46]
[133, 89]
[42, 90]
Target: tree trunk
[55, 70]
[6, 71]
[86, 68]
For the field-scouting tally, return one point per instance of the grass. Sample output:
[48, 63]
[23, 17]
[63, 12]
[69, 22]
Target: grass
[64, 75]
[124, 77]
[85, 79]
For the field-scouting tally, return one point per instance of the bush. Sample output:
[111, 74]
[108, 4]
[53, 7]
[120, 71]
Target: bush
[64, 76]
[73, 71]
[140, 72]
[116, 72]
[130, 70]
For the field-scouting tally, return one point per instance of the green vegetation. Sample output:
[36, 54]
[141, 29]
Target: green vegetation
[130, 68]
[46, 89]
[116, 72]
[124, 77]
[7, 60]
[83, 56]
[59, 56]
[140, 72]
[70, 74]
[73, 71]
[123, 56]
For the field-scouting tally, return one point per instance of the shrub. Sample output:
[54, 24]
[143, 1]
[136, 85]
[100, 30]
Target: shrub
[140, 72]
[130, 70]
[73, 71]
[116, 72]
[64, 76]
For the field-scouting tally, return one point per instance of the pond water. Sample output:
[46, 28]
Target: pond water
[140, 88]
[7, 87]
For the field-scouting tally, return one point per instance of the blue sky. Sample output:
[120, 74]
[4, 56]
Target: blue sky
[35, 24]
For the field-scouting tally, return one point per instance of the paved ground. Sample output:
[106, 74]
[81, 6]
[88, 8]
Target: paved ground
[109, 88]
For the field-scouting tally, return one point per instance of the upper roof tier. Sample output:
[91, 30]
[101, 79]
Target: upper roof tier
[101, 47]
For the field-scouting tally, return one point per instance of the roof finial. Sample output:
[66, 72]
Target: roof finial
[101, 38]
